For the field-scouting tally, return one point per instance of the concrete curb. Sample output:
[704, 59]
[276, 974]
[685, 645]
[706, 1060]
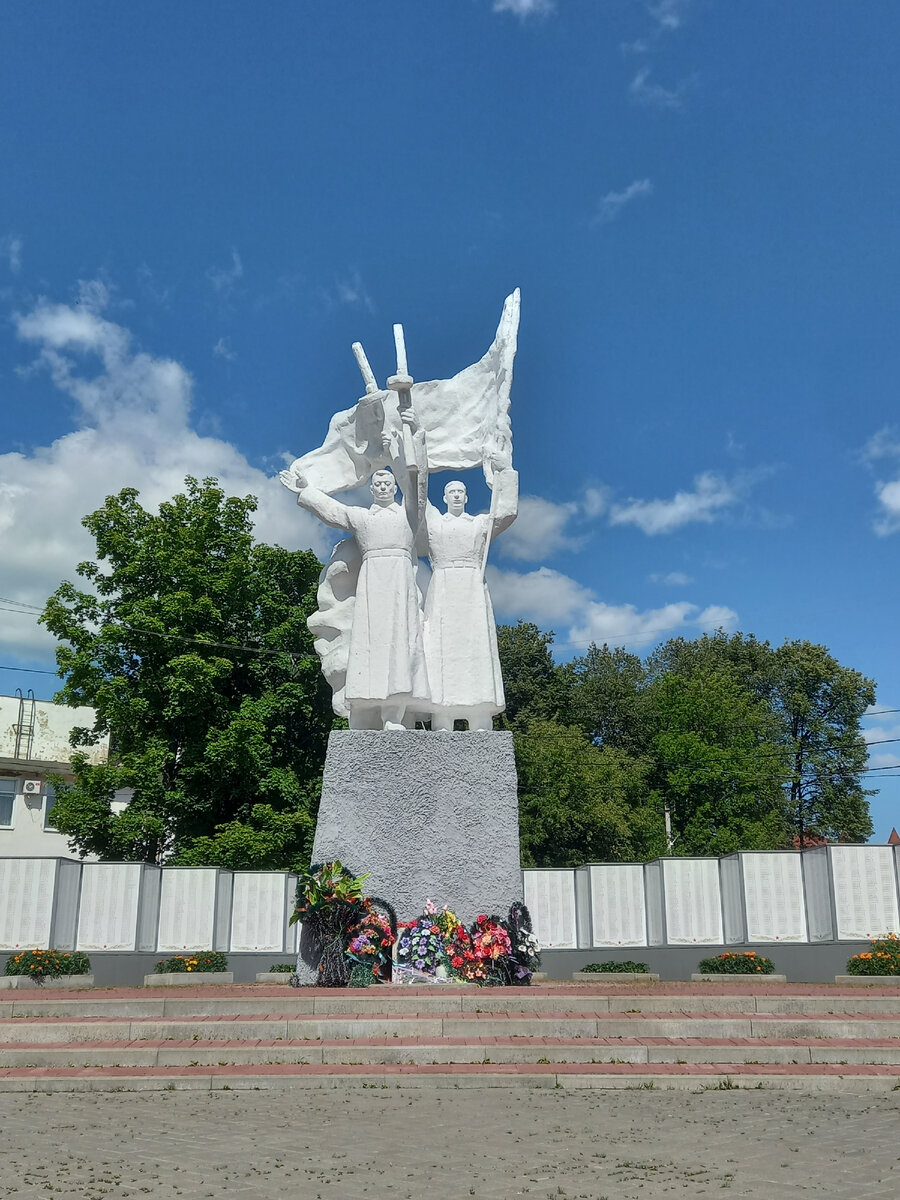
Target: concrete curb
[273, 977]
[723, 978]
[866, 980]
[615, 977]
[62, 981]
[188, 978]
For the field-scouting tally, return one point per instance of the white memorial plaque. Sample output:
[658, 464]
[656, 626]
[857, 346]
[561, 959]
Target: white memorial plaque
[187, 908]
[27, 888]
[693, 903]
[258, 908]
[773, 897]
[653, 889]
[550, 898]
[108, 911]
[732, 902]
[865, 891]
[618, 914]
[817, 887]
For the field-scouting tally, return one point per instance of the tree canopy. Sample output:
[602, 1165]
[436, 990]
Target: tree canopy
[192, 648]
[745, 746]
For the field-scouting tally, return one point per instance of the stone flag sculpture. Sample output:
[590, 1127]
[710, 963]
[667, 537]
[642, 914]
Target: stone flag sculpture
[390, 663]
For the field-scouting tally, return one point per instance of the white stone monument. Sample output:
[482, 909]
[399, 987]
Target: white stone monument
[427, 813]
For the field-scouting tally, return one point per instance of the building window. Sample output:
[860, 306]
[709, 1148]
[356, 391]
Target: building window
[7, 799]
[49, 801]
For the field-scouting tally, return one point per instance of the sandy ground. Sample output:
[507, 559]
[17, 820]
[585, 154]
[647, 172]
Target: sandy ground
[624, 1145]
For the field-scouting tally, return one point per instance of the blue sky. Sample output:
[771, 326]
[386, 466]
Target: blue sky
[205, 204]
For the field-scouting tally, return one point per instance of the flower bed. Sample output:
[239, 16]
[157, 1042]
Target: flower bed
[746, 962]
[48, 964]
[208, 962]
[882, 958]
[626, 968]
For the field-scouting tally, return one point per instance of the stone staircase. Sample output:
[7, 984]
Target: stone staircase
[663, 1035]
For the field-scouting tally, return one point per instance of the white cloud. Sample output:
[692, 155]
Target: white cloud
[539, 529]
[11, 250]
[133, 429]
[668, 14]
[224, 279]
[525, 8]
[552, 599]
[885, 444]
[716, 616]
[594, 502]
[544, 595]
[672, 579]
[887, 740]
[613, 202]
[711, 495]
[351, 290]
[222, 349]
[643, 90]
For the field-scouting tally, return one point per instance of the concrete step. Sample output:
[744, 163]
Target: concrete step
[253, 1001]
[434, 1026]
[416, 1051]
[817, 1077]
[659, 1036]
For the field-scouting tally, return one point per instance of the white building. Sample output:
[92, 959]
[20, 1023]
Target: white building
[34, 743]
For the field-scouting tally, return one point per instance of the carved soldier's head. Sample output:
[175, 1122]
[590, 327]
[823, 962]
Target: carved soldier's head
[455, 497]
[383, 487]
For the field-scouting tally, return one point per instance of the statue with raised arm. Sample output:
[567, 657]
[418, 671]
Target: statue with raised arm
[386, 680]
[460, 633]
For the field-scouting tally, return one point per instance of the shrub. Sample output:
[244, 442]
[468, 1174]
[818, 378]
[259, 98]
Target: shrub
[282, 969]
[203, 960]
[882, 958]
[48, 964]
[746, 962]
[633, 968]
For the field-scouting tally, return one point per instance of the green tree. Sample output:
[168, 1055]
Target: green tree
[582, 803]
[192, 648]
[535, 687]
[607, 696]
[718, 763]
[820, 704]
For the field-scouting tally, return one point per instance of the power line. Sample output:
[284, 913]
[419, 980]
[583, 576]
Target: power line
[27, 670]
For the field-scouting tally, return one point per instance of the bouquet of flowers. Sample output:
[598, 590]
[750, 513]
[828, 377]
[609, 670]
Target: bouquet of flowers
[421, 944]
[371, 944]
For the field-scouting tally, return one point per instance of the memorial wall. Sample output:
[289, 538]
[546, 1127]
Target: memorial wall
[828, 893]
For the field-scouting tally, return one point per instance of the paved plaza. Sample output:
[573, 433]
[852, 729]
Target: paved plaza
[398, 1143]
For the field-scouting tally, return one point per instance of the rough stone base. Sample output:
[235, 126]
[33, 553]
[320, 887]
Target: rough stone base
[426, 815]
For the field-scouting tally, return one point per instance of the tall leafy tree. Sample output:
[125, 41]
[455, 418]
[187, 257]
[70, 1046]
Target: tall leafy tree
[192, 647]
[718, 763]
[820, 703]
[607, 695]
[534, 685]
[579, 802]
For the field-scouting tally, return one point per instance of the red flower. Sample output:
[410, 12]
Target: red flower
[457, 962]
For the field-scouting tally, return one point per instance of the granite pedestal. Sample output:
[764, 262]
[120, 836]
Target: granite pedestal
[426, 816]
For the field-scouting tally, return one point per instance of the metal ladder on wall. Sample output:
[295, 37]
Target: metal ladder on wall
[25, 724]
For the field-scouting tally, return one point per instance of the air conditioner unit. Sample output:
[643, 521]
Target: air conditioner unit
[31, 787]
